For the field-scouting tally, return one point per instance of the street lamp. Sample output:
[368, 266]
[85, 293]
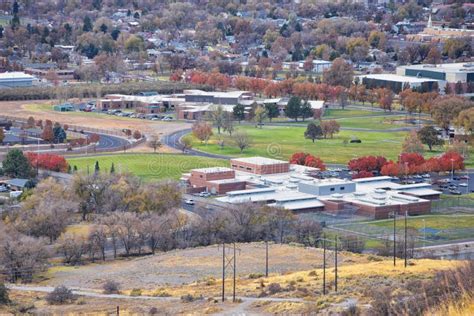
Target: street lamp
[452, 168]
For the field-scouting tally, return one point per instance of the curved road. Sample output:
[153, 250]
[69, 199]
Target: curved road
[173, 140]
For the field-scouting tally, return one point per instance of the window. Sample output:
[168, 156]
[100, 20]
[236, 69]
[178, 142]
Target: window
[342, 188]
[200, 176]
[332, 189]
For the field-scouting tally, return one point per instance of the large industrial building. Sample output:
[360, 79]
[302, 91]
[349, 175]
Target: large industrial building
[294, 187]
[423, 77]
[398, 83]
[15, 80]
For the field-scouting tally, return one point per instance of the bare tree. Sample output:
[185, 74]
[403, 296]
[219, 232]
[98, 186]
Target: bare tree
[154, 142]
[241, 140]
[21, 256]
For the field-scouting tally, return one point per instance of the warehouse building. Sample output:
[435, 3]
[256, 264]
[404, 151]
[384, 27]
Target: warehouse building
[15, 80]
[397, 83]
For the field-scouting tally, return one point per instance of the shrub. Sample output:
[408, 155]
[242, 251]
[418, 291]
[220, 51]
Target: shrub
[136, 292]
[161, 293]
[60, 295]
[111, 287]
[256, 275]
[188, 298]
[274, 288]
[4, 299]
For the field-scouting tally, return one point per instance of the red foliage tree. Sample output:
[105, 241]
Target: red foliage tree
[306, 159]
[367, 163]
[391, 169]
[314, 162]
[362, 174]
[298, 158]
[47, 161]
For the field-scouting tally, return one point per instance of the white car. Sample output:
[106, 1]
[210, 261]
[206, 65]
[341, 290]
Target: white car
[189, 202]
[464, 185]
[204, 194]
[167, 118]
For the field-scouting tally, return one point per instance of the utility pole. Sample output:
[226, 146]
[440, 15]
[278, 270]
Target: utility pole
[394, 238]
[223, 272]
[324, 265]
[406, 215]
[229, 261]
[266, 259]
[233, 293]
[335, 263]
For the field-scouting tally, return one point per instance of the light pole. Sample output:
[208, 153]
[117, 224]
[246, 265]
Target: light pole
[424, 232]
[405, 252]
[452, 169]
[394, 238]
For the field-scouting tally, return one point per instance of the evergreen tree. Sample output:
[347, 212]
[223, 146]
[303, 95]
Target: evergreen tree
[4, 299]
[87, 27]
[59, 134]
[293, 108]
[112, 169]
[239, 112]
[15, 8]
[272, 111]
[306, 110]
[74, 169]
[103, 28]
[16, 165]
[96, 167]
[115, 34]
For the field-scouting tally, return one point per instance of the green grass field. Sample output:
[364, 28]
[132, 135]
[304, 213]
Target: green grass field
[382, 122]
[431, 221]
[280, 142]
[150, 167]
[340, 113]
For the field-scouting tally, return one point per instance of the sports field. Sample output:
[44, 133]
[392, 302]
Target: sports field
[149, 167]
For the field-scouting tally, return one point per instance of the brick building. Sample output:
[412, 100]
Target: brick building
[217, 180]
[260, 165]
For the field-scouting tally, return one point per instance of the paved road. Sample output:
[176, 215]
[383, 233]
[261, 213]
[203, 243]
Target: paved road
[110, 142]
[91, 293]
[173, 140]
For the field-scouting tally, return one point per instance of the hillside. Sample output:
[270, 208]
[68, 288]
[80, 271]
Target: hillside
[293, 286]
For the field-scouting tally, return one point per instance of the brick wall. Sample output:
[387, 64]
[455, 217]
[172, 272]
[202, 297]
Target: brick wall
[260, 169]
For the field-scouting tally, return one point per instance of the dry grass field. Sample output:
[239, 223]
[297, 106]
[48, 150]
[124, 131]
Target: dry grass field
[295, 271]
[43, 110]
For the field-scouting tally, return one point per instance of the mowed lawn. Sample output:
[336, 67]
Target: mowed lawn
[280, 142]
[339, 113]
[439, 222]
[382, 122]
[149, 167]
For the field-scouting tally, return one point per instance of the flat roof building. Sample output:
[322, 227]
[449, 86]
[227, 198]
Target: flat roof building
[260, 165]
[215, 97]
[15, 79]
[398, 82]
[452, 73]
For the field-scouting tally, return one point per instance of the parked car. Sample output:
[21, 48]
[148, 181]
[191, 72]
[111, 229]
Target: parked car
[204, 194]
[189, 202]
[455, 192]
[464, 185]
[3, 188]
